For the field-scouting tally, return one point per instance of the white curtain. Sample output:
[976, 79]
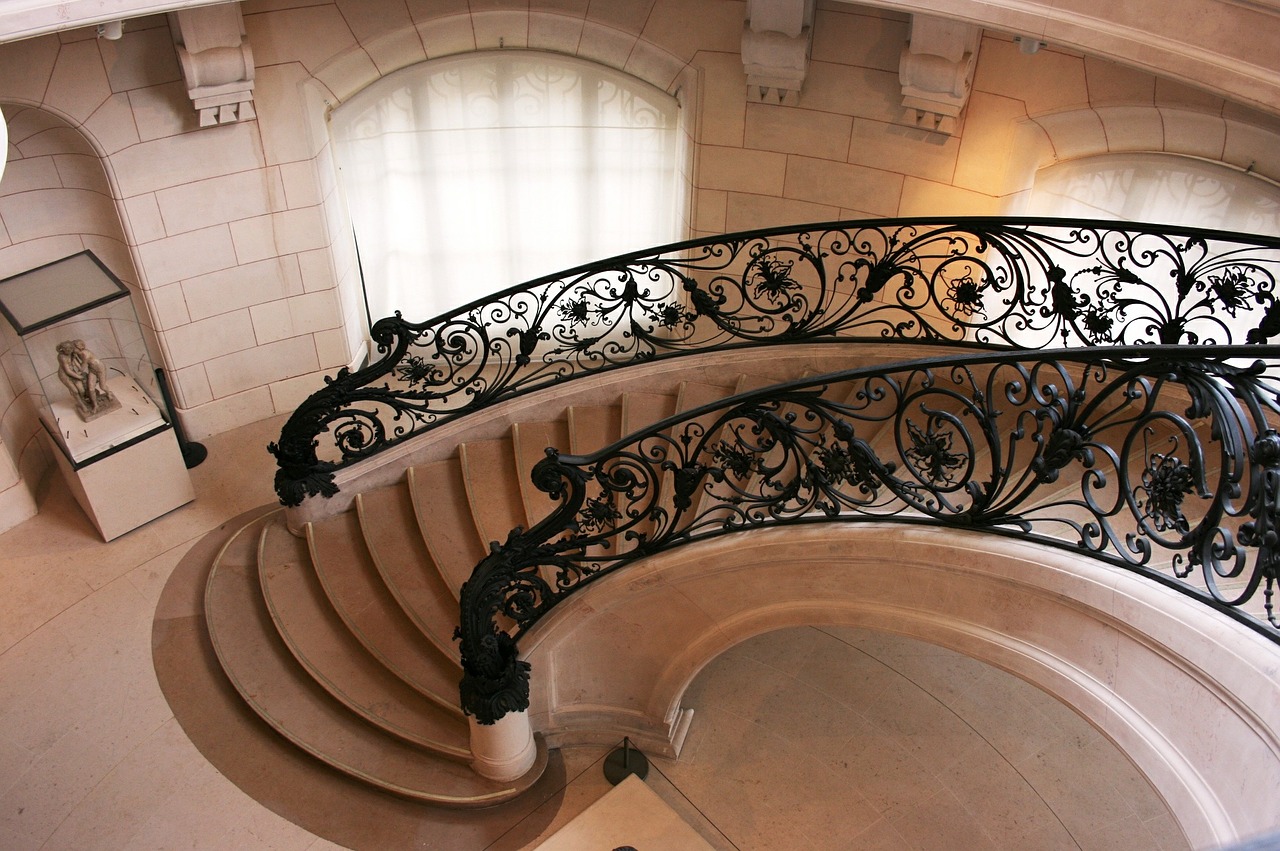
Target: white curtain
[467, 175]
[1158, 188]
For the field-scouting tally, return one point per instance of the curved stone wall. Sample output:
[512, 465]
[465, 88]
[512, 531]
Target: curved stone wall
[1191, 697]
[1223, 44]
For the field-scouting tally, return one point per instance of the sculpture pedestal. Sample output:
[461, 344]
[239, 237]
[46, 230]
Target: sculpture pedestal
[138, 478]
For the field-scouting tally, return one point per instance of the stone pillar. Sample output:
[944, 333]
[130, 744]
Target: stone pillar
[503, 751]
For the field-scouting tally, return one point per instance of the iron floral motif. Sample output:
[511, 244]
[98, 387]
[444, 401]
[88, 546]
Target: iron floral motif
[841, 464]
[1099, 324]
[793, 454]
[1008, 284]
[574, 311]
[597, 515]
[931, 454]
[964, 294]
[1165, 482]
[735, 460]
[772, 278]
[1233, 289]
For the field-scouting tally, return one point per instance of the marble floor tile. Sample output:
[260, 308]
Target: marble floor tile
[943, 822]
[53, 785]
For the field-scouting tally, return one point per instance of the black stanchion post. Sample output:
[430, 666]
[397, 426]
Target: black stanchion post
[625, 761]
[193, 454]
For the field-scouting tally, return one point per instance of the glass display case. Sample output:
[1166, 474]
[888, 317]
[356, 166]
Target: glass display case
[77, 342]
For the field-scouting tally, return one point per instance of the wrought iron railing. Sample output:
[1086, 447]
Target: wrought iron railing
[1160, 459]
[1003, 284]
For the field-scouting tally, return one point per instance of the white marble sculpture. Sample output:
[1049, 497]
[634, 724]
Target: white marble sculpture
[85, 377]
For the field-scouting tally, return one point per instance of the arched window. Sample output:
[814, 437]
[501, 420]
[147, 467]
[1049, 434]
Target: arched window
[469, 174]
[1158, 188]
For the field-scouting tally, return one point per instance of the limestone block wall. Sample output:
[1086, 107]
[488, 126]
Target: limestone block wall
[237, 236]
[845, 151]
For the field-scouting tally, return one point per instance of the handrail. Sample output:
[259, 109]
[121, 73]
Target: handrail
[1164, 460]
[1024, 284]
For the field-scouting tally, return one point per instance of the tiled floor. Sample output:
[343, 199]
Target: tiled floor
[805, 738]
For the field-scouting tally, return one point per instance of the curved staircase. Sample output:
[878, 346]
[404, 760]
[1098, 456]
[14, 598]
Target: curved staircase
[335, 619]
[342, 639]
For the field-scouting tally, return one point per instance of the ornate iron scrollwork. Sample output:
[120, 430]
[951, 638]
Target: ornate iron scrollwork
[1017, 285]
[1142, 457]
[1263, 532]
[1137, 441]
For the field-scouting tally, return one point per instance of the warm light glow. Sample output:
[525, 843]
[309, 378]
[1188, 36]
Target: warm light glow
[472, 174]
[1158, 188]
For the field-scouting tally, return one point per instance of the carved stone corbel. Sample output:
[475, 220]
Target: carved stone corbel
[936, 71]
[217, 63]
[775, 49]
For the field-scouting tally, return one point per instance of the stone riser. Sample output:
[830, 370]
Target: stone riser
[268, 677]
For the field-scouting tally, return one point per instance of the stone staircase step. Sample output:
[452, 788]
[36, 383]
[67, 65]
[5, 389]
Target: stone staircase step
[275, 686]
[593, 427]
[493, 489]
[749, 381]
[413, 594]
[372, 615]
[337, 661]
[641, 410]
[440, 504]
[695, 394]
[530, 441]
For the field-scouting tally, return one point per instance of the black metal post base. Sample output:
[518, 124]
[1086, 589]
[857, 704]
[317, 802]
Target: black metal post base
[624, 762]
[193, 454]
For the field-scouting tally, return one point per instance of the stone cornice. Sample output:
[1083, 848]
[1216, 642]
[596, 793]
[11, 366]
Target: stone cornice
[1224, 46]
[21, 19]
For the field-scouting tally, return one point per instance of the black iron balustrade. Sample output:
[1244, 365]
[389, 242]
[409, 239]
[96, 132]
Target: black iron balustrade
[1003, 284]
[1164, 460]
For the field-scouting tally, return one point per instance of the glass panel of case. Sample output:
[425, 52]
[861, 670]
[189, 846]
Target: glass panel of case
[77, 327]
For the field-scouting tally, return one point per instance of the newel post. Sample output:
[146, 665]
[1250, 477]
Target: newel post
[494, 690]
[503, 750]
[495, 697]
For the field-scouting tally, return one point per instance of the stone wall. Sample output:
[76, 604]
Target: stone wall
[235, 238]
